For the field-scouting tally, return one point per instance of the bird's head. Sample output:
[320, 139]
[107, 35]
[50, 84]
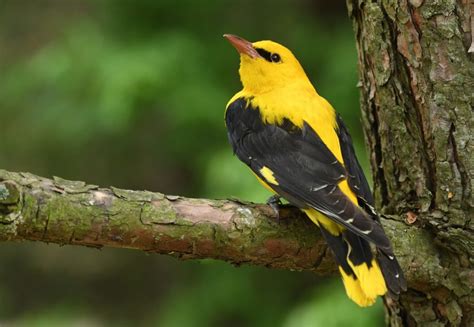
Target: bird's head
[266, 65]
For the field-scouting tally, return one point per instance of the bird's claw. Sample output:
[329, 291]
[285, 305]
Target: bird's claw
[275, 203]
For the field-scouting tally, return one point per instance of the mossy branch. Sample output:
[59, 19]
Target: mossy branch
[75, 213]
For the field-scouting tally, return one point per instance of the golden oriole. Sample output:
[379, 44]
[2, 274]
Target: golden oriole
[298, 147]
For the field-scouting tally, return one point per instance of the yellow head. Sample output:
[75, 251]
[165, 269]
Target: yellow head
[267, 66]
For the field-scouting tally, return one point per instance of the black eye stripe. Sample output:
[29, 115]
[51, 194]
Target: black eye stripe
[268, 56]
[265, 54]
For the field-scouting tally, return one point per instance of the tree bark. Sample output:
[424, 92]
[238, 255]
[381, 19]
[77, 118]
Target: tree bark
[75, 213]
[417, 82]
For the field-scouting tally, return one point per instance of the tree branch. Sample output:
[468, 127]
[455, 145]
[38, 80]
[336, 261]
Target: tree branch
[75, 213]
[67, 212]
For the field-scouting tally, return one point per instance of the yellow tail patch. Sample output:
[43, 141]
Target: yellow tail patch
[369, 283]
[371, 279]
[354, 291]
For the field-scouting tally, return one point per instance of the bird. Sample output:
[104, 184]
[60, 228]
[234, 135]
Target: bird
[298, 147]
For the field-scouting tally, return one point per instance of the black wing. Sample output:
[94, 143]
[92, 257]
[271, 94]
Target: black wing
[356, 178]
[358, 183]
[306, 171]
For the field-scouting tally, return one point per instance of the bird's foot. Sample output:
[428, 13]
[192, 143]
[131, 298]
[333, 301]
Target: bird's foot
[275, 203]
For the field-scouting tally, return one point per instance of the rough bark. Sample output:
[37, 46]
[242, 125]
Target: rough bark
[75, 213]
[417, 83]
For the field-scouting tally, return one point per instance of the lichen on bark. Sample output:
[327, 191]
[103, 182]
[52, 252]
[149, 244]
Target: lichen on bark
[76, 213]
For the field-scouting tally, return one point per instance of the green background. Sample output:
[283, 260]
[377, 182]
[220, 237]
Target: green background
[132, 94]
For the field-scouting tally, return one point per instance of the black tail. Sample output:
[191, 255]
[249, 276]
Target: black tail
[352, 252]
[392, 272]
[340, 250]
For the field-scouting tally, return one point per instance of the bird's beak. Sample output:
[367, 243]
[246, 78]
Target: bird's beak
[243, 46]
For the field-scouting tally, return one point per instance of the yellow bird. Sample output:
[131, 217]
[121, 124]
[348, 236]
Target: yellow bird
[298, 147]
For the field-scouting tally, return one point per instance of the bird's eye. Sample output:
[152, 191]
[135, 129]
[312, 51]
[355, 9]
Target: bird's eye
[275, 57]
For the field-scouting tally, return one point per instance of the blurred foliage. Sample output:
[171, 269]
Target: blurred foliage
[132, 94]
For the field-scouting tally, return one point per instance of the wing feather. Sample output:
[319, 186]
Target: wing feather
[307, 172]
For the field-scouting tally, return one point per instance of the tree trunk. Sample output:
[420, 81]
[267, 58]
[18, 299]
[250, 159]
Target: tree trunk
[417, 83]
